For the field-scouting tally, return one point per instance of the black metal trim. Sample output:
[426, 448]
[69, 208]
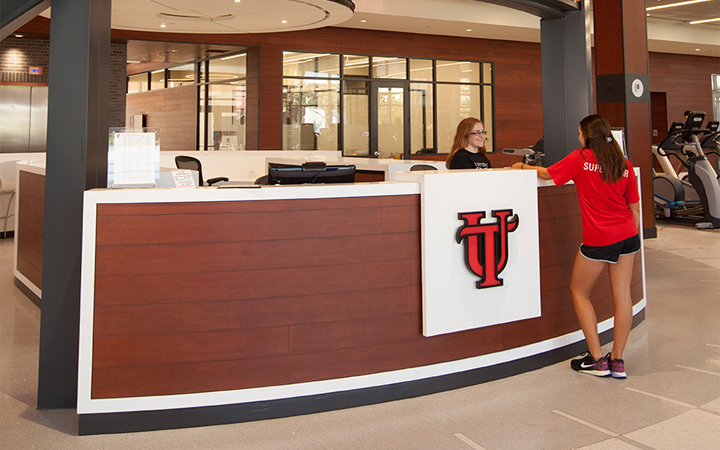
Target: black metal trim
[127, 422]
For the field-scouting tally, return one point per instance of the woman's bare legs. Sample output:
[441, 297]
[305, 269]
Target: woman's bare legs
[585, 273]
[620, 278]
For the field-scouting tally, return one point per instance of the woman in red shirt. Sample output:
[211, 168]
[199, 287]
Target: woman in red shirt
[610, 209]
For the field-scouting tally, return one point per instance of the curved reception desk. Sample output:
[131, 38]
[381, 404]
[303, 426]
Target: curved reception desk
[210, 306]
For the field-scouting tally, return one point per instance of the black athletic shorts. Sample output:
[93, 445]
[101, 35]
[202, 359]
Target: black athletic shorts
[611, 253]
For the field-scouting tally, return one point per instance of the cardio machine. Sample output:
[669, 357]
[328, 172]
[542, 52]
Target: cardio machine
[696, 197]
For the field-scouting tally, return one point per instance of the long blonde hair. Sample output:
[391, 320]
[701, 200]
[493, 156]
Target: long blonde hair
[599, 139]
[462, 134]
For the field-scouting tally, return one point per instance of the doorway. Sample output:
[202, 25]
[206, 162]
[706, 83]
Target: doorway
[389, 121]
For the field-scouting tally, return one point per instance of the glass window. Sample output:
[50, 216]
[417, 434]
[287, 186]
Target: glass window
[319, 65]
[356, 126]
[458, 71]
[487, 73]
[454, 103]
[227, 68]
[226, 116]
[389, 67]
[356, 66]
[421, 118]
[181, 75]
[312, 110]
[137, 83]
[421, 70]
[157, 80]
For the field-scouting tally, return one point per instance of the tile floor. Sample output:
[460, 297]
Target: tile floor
[671, 399]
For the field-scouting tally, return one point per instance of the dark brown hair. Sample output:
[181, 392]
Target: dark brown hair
[462, 134]
[599, 139]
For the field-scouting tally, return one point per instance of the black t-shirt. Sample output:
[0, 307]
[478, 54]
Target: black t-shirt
[464, 159]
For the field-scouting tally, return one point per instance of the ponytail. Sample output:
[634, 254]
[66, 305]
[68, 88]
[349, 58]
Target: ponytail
[607, 151]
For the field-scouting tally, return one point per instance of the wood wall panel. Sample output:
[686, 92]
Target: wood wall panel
[333, 306]
[172, 111]
[211, 286]
[210, 315]
[29, 226]
[686, 80]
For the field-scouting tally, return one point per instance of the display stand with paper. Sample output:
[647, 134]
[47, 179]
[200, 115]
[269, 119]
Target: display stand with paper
[133, 158]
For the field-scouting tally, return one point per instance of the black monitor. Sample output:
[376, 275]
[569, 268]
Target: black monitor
[310, 173]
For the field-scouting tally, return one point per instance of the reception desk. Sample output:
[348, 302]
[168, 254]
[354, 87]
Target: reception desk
[209, 306]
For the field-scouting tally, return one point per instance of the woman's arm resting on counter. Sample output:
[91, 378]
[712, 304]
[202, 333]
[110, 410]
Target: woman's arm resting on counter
[542, 172]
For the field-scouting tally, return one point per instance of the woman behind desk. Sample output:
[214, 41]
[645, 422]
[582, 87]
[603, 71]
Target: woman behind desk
[610, 209]
[468, 150]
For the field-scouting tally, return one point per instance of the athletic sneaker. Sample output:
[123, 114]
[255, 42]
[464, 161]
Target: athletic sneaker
[617, 367]
[588, 364]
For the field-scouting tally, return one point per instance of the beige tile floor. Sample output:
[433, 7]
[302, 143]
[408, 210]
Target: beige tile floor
[671, 399]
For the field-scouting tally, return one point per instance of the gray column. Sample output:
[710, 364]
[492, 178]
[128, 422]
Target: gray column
[77, 137]
[567, 80]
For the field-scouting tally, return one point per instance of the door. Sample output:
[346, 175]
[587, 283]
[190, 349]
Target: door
[390, 130]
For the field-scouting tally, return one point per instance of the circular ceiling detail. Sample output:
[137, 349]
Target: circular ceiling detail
[228, 16]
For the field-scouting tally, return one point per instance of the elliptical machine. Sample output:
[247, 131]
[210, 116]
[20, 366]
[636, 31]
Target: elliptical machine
[696, 199]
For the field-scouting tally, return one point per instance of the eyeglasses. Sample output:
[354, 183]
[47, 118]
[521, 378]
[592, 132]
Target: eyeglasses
[479, 133]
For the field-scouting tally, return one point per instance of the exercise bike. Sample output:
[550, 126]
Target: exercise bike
[696, 198]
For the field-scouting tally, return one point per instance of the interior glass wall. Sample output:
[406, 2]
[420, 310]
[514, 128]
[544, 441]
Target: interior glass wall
[384, 106]
[312, 114]
[221, 97]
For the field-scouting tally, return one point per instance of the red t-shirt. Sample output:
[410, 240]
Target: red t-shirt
[606, 214]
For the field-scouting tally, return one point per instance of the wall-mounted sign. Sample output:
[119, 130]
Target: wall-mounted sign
[35, 71]
[481, 259]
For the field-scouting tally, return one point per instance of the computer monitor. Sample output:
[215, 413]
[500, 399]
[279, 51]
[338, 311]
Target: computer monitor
[311, 173]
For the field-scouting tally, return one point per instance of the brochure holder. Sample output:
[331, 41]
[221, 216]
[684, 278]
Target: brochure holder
[133, 158]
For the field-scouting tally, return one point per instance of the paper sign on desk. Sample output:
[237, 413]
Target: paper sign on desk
[133, 157]
[183, 179]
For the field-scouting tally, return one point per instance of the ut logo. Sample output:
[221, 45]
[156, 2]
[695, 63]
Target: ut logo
[486, 245]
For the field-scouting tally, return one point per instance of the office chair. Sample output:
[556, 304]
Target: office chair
[417, 167]
[189, 162]
[263, 180]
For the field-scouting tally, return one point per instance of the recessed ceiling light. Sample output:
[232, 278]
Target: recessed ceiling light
[237, 1]
[363, 21]
[469, 29]
[18, 35]
[284, 21]
[697, 49]
[162, 25]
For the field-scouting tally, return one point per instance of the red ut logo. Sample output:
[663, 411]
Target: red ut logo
[486, 257]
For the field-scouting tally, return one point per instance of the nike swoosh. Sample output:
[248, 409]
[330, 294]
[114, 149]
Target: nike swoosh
[583, 366]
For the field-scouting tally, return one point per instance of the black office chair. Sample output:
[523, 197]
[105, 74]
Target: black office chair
[417, 167]
[188, 162]
[263, 180]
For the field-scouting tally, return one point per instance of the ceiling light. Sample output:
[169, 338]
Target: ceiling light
[231, 57]
[695, 22]
[363, 21]
[18, 35]
[284, 21]
[469, 29]
[237, 1]
[162, 25]
[672, 5]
